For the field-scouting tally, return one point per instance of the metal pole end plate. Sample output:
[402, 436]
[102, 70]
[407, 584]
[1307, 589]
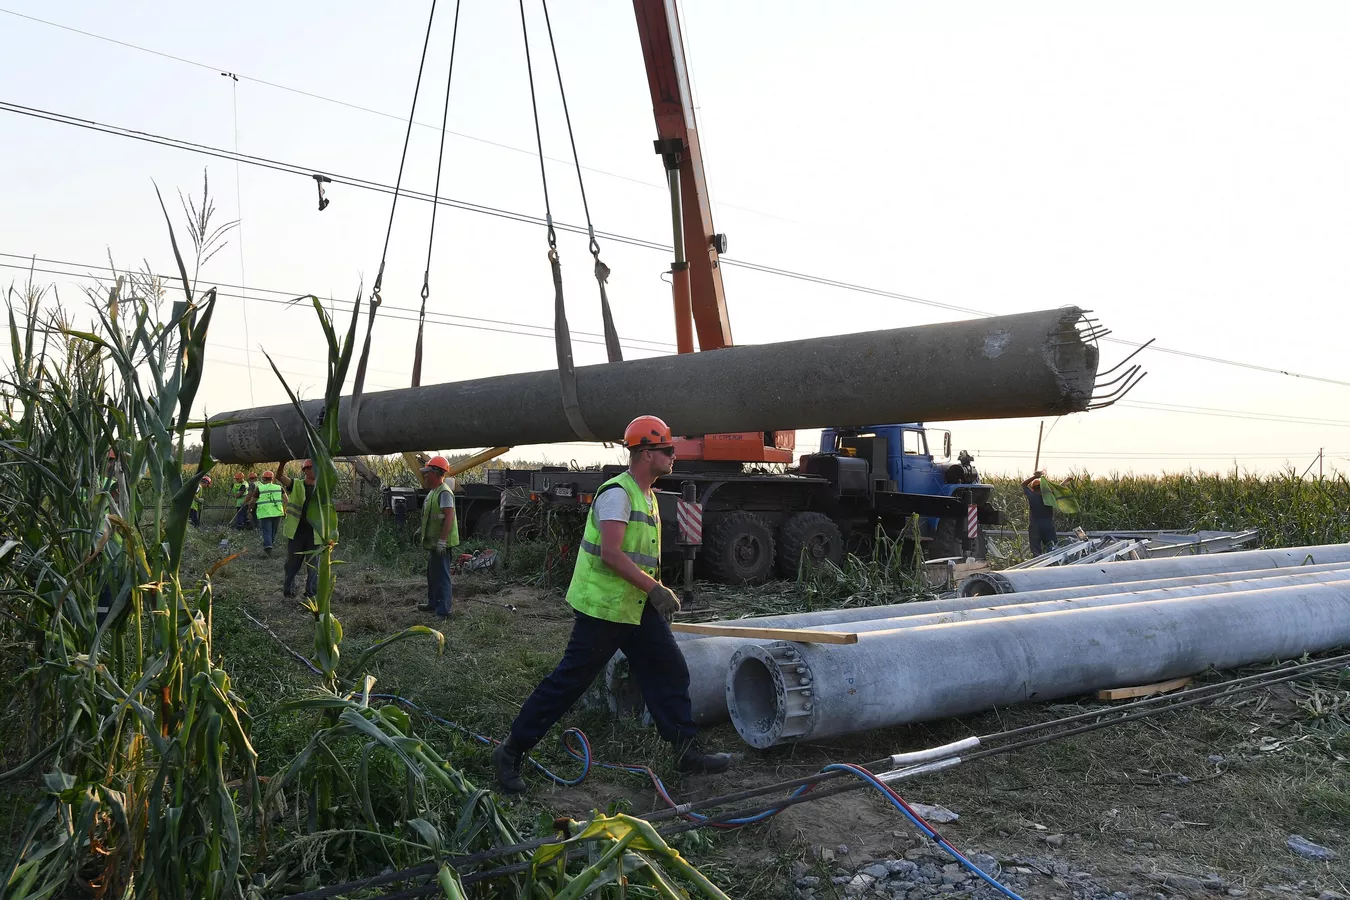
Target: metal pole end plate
[770, 694]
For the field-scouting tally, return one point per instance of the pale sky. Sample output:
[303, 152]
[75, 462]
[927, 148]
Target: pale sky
[1179, 168]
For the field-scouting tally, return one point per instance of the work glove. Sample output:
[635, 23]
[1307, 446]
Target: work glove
[440, 546]
[664, 600]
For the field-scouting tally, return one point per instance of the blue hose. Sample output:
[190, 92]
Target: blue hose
[584, 757]
[898, 802]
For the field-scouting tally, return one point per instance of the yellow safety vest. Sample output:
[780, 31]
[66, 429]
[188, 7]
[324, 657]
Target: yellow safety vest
[596, 589]
[271, 501]
[295, 503]
[433, 516]
[240, 494]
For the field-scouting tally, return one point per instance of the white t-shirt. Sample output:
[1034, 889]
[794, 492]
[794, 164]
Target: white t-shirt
[614, 506]
[447, 499]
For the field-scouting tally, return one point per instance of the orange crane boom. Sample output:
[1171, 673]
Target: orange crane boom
[696, 275]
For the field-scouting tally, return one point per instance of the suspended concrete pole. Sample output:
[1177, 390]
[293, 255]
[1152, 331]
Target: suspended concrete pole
[709, 657]
[1014, 580]
[1030, 364]
[784, 692]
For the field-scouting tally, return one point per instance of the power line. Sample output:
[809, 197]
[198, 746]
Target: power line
[366, 109]
[239, 218]
[1234, 413]
[385, 114]
[241, 292]
[1301, 454]
[366, 184]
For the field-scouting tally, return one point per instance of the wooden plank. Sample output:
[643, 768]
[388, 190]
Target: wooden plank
[1144, 690]
[799, 635]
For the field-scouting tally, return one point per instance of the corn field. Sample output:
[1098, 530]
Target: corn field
[134, 749]
[1288, 510]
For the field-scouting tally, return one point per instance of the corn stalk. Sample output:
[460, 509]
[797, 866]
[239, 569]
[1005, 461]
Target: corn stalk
[137, 734]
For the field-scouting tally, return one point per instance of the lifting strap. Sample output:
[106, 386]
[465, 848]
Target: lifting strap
[612, 349]
[562, 337]
[358, 388]
[435, 203]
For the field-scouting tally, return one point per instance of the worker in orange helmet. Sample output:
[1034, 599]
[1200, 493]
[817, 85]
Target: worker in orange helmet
[269, 503]
[301, 525]
[619, 604]
[1041, 530]
[440, 533]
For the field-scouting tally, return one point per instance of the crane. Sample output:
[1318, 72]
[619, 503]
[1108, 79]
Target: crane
[699, 297]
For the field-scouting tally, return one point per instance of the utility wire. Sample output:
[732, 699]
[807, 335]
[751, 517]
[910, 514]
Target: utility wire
[239, 219]
[365, 184]
[375, 112]
[639, 344]
[346, 306]
[664, 346]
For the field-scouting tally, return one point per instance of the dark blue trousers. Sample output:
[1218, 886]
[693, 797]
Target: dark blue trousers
[299, 556]
[1042, 535]
[270, 526]
[654, 657]
[440, 589]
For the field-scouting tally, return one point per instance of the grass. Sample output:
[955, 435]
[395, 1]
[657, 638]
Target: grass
[1285, 751]
[1100, 789]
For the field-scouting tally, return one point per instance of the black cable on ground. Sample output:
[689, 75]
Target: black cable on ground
[1143, 708]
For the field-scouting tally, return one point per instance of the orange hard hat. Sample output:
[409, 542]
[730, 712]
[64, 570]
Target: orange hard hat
[437, 462]
[206, 480]
[267, 474]
[647, 432]
[238, 476]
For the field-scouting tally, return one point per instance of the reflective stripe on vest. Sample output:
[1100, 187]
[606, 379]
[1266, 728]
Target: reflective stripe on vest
[240, 495]
[433, 516]
[596, 589]
[642, 559]
[295, 504]
[271, 501]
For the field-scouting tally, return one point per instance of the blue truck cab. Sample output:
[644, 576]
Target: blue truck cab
[910, 471]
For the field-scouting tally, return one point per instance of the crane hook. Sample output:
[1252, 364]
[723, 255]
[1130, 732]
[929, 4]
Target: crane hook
[321, 180]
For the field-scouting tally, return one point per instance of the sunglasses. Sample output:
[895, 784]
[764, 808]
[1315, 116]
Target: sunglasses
[668, 451]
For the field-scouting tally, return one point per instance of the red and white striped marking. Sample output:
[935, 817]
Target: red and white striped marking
[689, 517]
[972, 521]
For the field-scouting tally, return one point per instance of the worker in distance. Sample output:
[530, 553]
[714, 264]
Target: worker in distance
[619, 603]
[440, 535]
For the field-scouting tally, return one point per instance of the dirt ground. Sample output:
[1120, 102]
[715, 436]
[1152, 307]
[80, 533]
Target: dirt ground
[1196, 802]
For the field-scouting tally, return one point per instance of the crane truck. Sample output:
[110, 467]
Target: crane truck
[755, 507]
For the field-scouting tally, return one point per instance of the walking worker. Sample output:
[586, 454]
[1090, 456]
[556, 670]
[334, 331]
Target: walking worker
[240, 494]
[440, 532]
[195, 513]
[303, 519]
[270, 506]
[1042, 528]
[619, 603]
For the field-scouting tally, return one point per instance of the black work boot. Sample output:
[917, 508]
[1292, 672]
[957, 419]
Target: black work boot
[506, 760]
[690, 758]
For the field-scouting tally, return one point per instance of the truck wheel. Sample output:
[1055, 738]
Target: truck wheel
[812, 536]
[739, 549]
[946, 539]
